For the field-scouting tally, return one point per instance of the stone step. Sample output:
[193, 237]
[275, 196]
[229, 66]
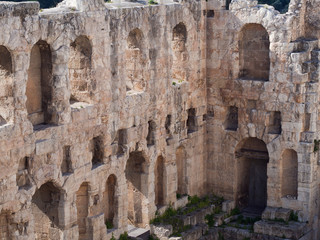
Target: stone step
[138, 233]
[291, 230]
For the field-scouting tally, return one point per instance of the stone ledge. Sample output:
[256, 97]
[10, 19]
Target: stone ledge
[292, 230]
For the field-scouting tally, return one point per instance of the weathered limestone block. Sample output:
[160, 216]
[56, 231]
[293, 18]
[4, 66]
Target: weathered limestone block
[161, 231]
[294, 230]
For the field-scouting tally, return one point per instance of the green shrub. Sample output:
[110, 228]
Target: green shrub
[152, 2]
[124, 236]
[235, 211]
[109, 224]
[210, 220]
[293, 216]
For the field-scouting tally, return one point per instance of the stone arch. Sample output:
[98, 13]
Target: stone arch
[110, 200]
[82, 202]
[181, 163]
[254, 57]
[45, 205]
[289, 176]
[135, 62]
[180, 53]
[39, 85]
[251, 163]
[159, 183]
[137, 183]
[82, 84]
[6, 85]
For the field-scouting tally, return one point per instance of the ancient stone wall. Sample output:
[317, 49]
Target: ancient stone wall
[280, 110]
[86, 114]
[109, 111]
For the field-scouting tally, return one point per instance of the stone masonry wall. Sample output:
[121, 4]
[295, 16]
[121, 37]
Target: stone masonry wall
[91, 135]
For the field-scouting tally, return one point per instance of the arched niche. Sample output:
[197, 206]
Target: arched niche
[82, 84]
[180, 53]
[135, 62]
[110, 201]
[39, 86]
[6, 85]
[82, 203]
[45, 210]
[254, 50]
[251, 161]
[137, 184]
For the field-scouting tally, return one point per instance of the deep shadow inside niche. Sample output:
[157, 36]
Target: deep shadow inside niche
[252, 160]
[43, 3]
[45, 209]
[66, 165]
[96, 147]
[6, 80]
[151, 133]
[210, 14]
[231, 122]
[275, 123]
[192, 121]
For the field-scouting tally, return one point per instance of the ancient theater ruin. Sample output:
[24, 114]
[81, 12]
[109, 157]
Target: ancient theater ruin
[169, 119]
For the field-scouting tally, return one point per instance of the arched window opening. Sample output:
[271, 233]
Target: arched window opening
[181, 162]
[39, 85]
[137, 182]
[82, 203]
[82, 84]
[159, 172]
[6, 84]
[289, 178]
[180, 53]
[254, 53]
[45, 210]
[135, 62]
[110, 202]
[252, 159]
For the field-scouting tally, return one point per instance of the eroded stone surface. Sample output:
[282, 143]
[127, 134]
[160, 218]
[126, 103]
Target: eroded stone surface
[109, 110]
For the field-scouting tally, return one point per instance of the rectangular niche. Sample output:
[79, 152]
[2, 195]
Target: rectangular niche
[66, 165]
[231, 122]
[274, 126]
[96, 148]
[192, 121]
